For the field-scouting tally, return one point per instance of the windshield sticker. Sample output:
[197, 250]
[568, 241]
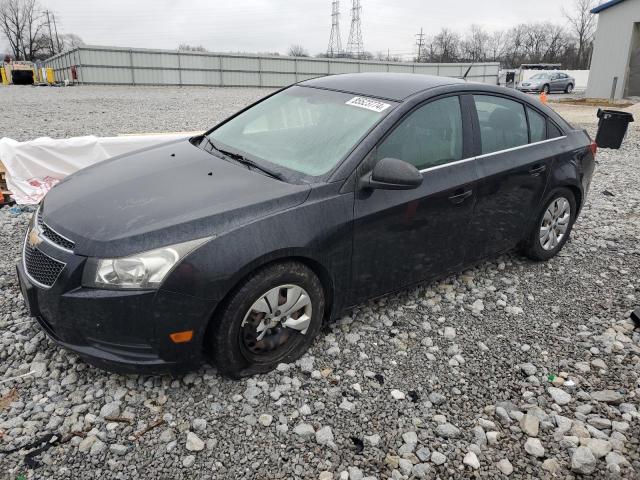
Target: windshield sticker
[368, 103]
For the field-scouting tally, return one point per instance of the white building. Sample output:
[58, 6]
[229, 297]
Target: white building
[615, 64]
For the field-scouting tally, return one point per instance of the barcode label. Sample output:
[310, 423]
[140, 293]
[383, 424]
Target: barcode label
[368, 103]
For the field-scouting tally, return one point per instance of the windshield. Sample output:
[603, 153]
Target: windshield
[540, 76]
[302, 129]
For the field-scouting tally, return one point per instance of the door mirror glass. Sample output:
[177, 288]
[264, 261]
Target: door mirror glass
[393, 174]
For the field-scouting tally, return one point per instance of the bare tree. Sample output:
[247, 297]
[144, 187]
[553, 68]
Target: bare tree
[475, 44]
[582, 24]
[70, 41]
[22, 23]
[12, 25]
[297, 51]
[446, 45]
[184, 47]
[496, 45]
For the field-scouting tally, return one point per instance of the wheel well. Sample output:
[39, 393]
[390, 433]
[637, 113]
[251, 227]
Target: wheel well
[577, 194]
[316, 267]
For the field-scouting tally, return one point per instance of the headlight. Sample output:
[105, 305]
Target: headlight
[145, 270]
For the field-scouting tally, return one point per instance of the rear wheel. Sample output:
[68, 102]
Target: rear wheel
[569, 88]
[546, 89]
[553, 225]
[271, 318]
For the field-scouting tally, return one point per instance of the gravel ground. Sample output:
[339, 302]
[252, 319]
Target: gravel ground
[29, 112]
[512, 368]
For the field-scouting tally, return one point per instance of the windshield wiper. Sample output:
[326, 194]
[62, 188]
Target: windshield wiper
[245, 161]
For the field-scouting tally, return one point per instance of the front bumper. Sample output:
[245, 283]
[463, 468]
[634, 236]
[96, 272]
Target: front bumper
[117, 330]
[529, 89]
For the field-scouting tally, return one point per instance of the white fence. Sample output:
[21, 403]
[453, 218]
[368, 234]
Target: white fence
[125, 66]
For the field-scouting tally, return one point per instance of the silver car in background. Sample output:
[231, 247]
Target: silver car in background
[548, 82]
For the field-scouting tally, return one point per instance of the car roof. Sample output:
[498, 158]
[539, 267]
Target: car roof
[389, 86]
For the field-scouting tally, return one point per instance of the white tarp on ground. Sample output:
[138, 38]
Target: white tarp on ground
[35, 166]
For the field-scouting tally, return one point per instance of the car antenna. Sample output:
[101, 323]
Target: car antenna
[464, 77]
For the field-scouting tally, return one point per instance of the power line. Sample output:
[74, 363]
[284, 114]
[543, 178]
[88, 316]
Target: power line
[335, 42]
[355, 46]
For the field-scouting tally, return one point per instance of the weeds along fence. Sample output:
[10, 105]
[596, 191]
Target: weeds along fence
[127, 66]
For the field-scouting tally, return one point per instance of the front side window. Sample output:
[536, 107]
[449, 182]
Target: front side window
[303, 129]
[503, 123]
[430, 136]
[537, 126]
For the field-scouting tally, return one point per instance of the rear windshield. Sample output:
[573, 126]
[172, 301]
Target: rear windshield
[303, 129]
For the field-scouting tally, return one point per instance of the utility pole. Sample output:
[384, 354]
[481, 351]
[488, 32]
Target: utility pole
[335, 42]
[53, 48]
[355, 46]
[56, 30]
[420, 44]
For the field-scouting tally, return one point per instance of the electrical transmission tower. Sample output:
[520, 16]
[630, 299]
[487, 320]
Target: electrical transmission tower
[355, 48]
[335, 43]
[420, 44]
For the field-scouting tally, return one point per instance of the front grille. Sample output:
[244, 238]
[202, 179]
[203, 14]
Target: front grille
[40, 267]
[53, 236]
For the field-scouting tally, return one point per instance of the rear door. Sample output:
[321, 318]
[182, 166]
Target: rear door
[513, 167]
[403, 237]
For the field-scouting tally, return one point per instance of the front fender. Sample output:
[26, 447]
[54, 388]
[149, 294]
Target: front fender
[319, 232]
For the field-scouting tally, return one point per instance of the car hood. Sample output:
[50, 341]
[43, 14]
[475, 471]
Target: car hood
[160, 196]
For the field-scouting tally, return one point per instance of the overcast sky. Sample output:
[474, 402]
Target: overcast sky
[273, 25]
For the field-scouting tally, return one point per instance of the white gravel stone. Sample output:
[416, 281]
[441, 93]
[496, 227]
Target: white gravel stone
[324, 436]
[559, 396]
[438, 458]
[397, 395]
[265, 419]
[471, 459]
[534, 447]
[194, 444]
[305, 431]
[583, 461]
[530, 425]
[505, 466]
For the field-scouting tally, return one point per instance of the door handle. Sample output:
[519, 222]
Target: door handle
[537, 170]
[460, 196]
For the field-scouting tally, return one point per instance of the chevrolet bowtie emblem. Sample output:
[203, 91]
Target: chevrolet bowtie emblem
[34, 237]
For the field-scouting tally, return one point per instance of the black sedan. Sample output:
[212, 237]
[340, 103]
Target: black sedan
[239, 243]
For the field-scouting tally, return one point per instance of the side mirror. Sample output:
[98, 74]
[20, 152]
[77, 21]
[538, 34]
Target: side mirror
[392, 174]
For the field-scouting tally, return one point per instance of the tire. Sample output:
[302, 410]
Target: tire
[546, 89]
[232, 340]
[534, 248]
[569, 88]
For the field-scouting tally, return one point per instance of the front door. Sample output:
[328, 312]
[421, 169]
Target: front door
[402, 237]
[512, 170]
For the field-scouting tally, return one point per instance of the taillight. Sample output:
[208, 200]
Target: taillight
[594, 148]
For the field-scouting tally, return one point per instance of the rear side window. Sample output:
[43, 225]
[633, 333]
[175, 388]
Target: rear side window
[503, 123]
[537, 126]
[552, 130]
[430, 136]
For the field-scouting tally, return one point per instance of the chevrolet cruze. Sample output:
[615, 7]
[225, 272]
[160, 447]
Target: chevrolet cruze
[238, 244]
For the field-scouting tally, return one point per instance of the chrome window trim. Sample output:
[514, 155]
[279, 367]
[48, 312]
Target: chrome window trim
[26, 271]
[497, 152]
[49, 241]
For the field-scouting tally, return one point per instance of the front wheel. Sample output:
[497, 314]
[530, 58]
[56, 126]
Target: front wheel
[553, 226]
[271, 318]
[546, 89]
[569, 88]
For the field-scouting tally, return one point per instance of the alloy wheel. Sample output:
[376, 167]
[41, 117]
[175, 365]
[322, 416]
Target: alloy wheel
[274, 319]
[555, 223]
